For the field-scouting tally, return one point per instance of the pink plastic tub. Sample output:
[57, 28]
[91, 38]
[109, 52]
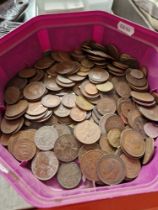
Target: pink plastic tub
[66, 32]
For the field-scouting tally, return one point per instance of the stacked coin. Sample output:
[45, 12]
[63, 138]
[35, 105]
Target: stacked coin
[86, 113]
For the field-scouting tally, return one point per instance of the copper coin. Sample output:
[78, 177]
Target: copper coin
[105, 87]
[88, 164]
[105, 146]
[36, 108]
[82, 103]
[98, 75]
[114, 121]
[111, 169]
[4, 139]
[46, 137]
[113, 51]
[69, 100]
[134, 81]
[87, 63]
[120, 65]
[125, 106]
[62, 129]
[65, 84]
[45, 165]
[69, 175]
[44, 63]
[18, 82]
[76, 78]
[51, 84]
[34, 90]
[123, 89]
[63, 79]
[23, 149]
[87, 132]
[39, 76]
[151, 130]
[66, 148]
[150, 113]
[86, 94]
[132, 143]
[149, 150]
[144, 97]
[35, 117]
[29, 134]
[77, 114]
[50, 101]
[114, 137]
[133, 166]
[106, 105]
[91, 89]
[27, 73]
[62, 111]
[11, 95]
[103, 120]
[137, 74]
[46, 117]
[10, 126]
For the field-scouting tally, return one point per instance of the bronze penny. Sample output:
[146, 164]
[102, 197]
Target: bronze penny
[111, 169]
[106, 105]
[35, 117]
[39, 76]
[84, 69]
[123, 89]
[69, 175]
[50, 101]
[11, 95]
[34, 90]
[35, 108]
[4, 139]
[114, 121]
[150, 113]
[29, 134]
[63, 79]
[133, 166]
[151, 130]
[105, 146]
[134, 81]
[82, 103]
[87, 63]
[10, 126]
[125, 106]
[44, 63]
[98, 75]
[45, 165]
[105, 87]
[62, 111]
[66, 148]
[77, 114]
[96, 120]
[91, 89]
[60, 56]
[51, 84]
[69, 100]
[143, 97]
[62, 129]
[137, 74]
[128, 60]
[149, 150]
[88, 164]
[132, 143]
[87, 132]
[46, 117]
[45, 137]
[87, 94]
[120, 65]
[66, 85]
[23, 149]
[27, 73]
[18, 82]
[103, 120]
[145, 104]
[76, 78]
[155, 94]
[113, 51]
[113, 137]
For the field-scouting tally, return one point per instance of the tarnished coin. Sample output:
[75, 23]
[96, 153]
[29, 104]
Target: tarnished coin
[105, 87]
[18, 82]
[77, 114]
[133, 166]
[46, 117]
[91, 89]
[27, 73]
[98, 75]
[151, 130]
[62, 129]
[125, 106]
[50, 101]
[63, 79]
[62, 111]
[88, 164]
[106, 105]
[4, 139]
[150, 113]
[114, 137]
[123, 89]
[38, 76]
[69, 175]
[114, 121]
[11, 95]
[44, 63]
[102, 122]
[69, 100]
[66, 148]
[23, 149]
[144, 97]
[10, 126]
[137, 74]
[132, 143]
[45, 137]
[105, 146]
[111, 169]
[45, 165]
[149, 150]
[87, 63]
[36, 108]
[87, 132]
[82, 103]
[51, 84]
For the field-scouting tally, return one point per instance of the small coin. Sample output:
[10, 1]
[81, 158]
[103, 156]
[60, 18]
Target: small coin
[105, 87]
[45, 165]
[46, 137]
[137, 74]
[69, 175]
[23, 149]
[123, 89]
[27, 73]
[88, 164]
[106, 105]
[150, 113]
[62, 111]
[82, 103]
[35, 108]
[44, 63]
[125, 106]
[87, 132]
[114, 137]
[69, 100]
[62, 129]
[132, 143]
[98, 75]
[66, 148]
[144, 97]
[149, 150]
[10, 126]
[133, 166]
[11, 95]
[77, 114]
[46, 117]
[76, 78]
[50, 101]
[91, 89]
[105, 146]
[34, 90]
[151, 130]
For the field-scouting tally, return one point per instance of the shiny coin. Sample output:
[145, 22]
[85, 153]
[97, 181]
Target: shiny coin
[11, 95]
[50, 101]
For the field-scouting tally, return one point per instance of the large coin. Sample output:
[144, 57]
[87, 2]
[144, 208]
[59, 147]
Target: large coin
[106, 105]
[12, 95]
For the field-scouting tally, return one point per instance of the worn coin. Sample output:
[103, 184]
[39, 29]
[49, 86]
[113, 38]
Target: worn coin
[11, 95]
[98, 75]
[106, 105]
[149, 150]
[151, 130]
[105, 87]
[50, 101]
[27, 73]
[77, 114]
[84, 104]
[150, 113]
[69, 100]
[113, 137]
[62, 111]
[105, 146]
[10, 126]
[35, 108]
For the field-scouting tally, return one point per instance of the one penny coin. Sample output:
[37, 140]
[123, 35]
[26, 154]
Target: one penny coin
[105, 146]
[144, 97]
[10, 126]
[151, 130]
[90, 89]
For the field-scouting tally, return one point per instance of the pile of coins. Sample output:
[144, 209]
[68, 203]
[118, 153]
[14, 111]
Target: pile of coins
[82, 115]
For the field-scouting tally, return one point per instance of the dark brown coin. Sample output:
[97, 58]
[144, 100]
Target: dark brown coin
[45, 165]
[34, 91]
[113, 51]
[106, 105]
[123, 89]
[50, 101]
[98, 75]
[87, 132]
[11, 95]
[10, 126]
[61, 56]
[150, 113]
[132, 143]
[62, 111]
[46, 137]
[105, 146]
[111, 169]
[77, 114]
[114, 121]
[69, 175]
[4, 139]
[88, 164]
[87, 63]
[133, 166]
[18, 82]
[27, 73]
[149, 150]
[44, 63]
[69, 100]
[120, 65]
[66, 148]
